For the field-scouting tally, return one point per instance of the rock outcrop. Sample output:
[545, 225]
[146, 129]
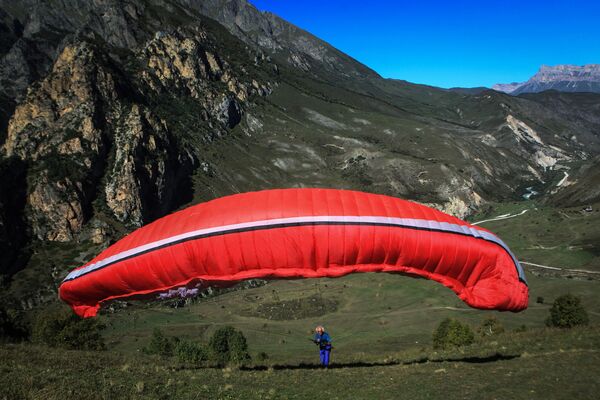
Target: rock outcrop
[140, 182]
[287, 42]
[94, 145]
[60, 129]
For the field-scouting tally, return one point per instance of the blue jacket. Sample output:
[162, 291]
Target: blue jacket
[324, 340]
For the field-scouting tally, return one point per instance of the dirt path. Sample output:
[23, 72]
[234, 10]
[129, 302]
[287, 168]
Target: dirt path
[568, 270]
[500, 217]
[562, 181]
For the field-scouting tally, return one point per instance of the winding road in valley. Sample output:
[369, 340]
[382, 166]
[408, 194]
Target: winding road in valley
[500, 217]
[534, 265]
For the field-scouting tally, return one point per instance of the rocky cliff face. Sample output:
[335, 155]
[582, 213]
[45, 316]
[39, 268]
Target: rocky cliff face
[288, 43]
[60, 128]
[139, 184]
[574, 73]
[563, 78]
[92, 142]
[580, 187]
[507, 87]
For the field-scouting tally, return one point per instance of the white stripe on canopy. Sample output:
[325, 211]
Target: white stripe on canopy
[310, 220]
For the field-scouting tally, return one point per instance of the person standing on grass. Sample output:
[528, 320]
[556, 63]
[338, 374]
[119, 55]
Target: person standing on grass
[323, 340]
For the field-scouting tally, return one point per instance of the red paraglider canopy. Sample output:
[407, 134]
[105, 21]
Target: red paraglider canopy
[299, 233]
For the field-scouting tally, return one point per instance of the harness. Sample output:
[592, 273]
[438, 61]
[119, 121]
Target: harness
[323, 345]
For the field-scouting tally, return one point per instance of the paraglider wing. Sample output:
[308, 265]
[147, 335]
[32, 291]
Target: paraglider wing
[299, 233]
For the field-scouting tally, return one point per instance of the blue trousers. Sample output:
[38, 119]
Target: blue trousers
[324, 354]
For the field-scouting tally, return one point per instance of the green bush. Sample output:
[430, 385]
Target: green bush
[451, 333]
[191, 353]
[521, 328]
[62, 328]
[229, 346]
[490, 327]
[262, 356]
[160, 344]
[567, 312]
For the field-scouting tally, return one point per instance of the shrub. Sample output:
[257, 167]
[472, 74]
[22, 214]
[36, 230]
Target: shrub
[160, 344]
[62, 328]
[12, 327]
[521, 328]
[191, 353]
[490, 327]
[228, 345]
[452, 333]
[567, 312]
[262, 356]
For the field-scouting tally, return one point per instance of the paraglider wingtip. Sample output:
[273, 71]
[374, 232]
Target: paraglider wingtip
[86, 311]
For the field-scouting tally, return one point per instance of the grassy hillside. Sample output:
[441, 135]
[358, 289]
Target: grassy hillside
[559, 237]
[374, 314]
[539, 364]
[381, 325]
[156, 81]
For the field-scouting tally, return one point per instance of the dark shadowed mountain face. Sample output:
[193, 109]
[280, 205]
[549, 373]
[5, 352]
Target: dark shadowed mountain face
[114, 113]
[582, 189]
[562, 78]
[286, 42]
[472, 90]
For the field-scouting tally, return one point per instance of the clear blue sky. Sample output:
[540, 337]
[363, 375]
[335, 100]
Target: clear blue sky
[452, 43]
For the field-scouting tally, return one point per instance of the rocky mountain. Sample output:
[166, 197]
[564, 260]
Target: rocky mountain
[471, 90]
[104, 134]
[116, 112]
[582, 188]
[562, 78]
[507, 87]
[286, 42]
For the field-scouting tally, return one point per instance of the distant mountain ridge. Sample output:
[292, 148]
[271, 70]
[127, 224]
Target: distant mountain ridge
[562, 78]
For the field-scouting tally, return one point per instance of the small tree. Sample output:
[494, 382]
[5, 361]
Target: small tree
[160, 344]
[262, 356]
[191, 353]
[451, 333]
[62, 328]
[228, 345]
[567, 312]
[490, 327]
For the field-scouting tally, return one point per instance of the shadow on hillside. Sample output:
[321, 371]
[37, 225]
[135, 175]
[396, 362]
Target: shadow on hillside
[364, 364]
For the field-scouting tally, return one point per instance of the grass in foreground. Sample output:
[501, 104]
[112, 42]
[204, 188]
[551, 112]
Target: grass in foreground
[544, 363]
